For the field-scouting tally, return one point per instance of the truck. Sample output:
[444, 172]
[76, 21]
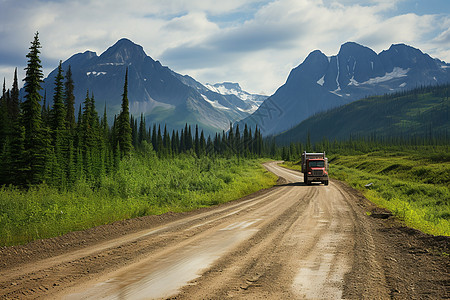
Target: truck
[315, 167]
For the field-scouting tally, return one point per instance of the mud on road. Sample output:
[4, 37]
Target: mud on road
[290, 241]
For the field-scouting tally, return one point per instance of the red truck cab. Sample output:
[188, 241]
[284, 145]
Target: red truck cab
[315, 168]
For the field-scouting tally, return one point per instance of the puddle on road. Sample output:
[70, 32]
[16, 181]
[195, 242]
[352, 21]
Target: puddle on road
[164, 276]
[322, 272]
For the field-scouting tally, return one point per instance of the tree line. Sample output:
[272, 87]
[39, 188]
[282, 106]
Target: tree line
[357, 144]
[43, 143]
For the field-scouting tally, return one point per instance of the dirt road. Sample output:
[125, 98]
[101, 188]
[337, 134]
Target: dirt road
[291, 241]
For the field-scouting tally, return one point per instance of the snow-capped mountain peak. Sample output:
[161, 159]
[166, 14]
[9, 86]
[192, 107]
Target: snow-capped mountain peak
[322, 82]
[231, 88]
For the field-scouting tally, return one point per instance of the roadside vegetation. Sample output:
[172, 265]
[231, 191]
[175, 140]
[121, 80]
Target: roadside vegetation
[143, 185]
[60, 173]
[412, 181]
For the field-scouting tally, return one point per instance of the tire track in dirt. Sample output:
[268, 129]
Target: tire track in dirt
[291, 241]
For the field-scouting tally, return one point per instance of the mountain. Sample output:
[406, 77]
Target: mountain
[234, 89]
[419, 112]
[221, 98]
[162, 95]
[321, 83]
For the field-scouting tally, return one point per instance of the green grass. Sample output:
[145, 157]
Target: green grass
[412, 184]
[292, 165]
[143, 185]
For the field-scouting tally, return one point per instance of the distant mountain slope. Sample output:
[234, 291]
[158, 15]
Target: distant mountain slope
[232, 89]
[420, 112]
[162, 95]
[322, 82]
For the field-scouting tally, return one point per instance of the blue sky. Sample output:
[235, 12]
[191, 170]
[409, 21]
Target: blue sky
[253, 42]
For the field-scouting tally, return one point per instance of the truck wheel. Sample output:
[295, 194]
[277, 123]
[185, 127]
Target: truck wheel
[326, 182]
[305, 179]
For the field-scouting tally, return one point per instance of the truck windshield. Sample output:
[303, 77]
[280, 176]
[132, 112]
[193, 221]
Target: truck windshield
[316, 164]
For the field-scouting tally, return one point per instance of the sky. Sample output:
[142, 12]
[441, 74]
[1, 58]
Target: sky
[253, 42]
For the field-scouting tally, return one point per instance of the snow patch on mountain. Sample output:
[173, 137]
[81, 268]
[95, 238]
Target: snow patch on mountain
[337, 76]
[95, 73]
[396, 73]
[336, 92]
[215, 104]
[353, 81]
[112, 64]
[252, 109]
[321, 81]
[229, 88]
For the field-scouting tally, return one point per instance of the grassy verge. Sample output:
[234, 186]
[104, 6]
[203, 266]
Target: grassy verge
[413, 185]
[292, 165]
[144, 185]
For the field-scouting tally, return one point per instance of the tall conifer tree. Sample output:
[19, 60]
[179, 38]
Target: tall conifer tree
[69, 100]
[58, 113]
[34, 146]
[14, 108]
[197, 142]
[124, 128]
[142, 130]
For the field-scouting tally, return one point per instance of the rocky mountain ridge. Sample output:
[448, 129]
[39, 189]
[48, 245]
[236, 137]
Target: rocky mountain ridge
[323, 82]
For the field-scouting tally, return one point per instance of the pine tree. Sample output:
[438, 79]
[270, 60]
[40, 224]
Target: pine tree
[85, 125]
[202, 144]
[197, 142]
[45, 111]
[17, 156]
[58, 113]
[94, 117]
[124, 128]
[159, 141]
[190, 139]
[104, 126]
[34, 148]
[142, 130]
[71, 163]
[245, 141]
[154, 138]
[174, 142]
[182, 142]
[237, 143]
[4, 130]
[80, 116]
[166, 142]
[134, 134]
[69, 100]
[231, 138]
[14, 108]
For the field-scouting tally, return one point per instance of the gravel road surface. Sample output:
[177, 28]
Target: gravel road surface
[291, 241]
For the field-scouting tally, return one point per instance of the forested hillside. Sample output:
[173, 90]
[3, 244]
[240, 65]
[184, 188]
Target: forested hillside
[39, 143]
[60, 173]
[420, 113]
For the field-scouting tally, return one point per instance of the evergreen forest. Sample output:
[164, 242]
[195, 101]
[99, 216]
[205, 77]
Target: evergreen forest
[47, 144]
[64, 168]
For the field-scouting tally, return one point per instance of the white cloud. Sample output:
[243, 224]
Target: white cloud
[257, 50]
